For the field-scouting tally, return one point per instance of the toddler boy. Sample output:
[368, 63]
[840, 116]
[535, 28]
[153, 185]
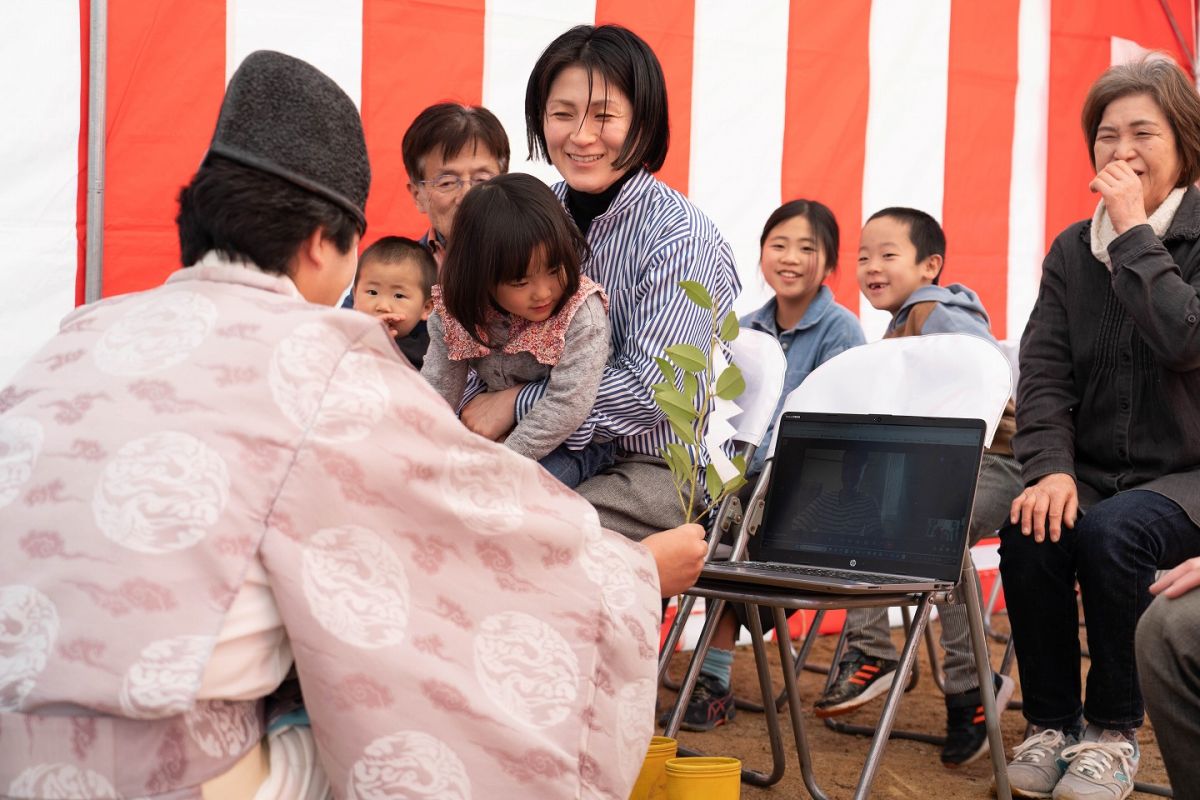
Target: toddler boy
[394, 282]
[900, 258]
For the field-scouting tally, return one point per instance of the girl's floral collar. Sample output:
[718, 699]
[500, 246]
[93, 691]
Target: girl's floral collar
[543, 340]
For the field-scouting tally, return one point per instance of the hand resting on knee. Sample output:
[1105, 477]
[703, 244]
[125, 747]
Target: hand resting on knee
[1046, 507]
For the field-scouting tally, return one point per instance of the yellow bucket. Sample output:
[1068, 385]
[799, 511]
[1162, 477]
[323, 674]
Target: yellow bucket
[652, 780]
[704, 778]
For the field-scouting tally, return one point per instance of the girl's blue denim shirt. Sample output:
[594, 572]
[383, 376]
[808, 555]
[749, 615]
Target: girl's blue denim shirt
[825, 330]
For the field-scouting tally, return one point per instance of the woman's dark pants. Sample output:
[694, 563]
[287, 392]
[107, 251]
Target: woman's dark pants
[1113, 551]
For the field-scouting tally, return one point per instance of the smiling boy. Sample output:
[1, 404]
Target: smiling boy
[900, 258]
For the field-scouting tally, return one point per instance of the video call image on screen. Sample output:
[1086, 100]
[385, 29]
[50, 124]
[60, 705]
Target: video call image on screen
[837, 497]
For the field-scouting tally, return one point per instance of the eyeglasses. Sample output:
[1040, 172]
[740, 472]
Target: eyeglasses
[449, 184]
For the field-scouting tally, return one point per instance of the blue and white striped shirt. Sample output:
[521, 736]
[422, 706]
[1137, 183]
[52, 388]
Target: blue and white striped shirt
[648, 240]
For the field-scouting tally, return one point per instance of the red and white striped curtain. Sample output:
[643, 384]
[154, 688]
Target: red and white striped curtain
[966, 109]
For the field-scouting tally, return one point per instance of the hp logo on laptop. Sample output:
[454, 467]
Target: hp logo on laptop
[853, 562]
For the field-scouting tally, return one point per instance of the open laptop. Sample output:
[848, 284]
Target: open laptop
[861, 504]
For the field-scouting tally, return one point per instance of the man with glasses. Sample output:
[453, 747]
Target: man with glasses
[448, 149]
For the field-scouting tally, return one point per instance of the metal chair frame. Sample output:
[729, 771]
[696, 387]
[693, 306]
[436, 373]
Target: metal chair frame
[754, 596]
[720, 593]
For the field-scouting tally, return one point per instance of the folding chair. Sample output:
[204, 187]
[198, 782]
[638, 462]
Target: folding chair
[763, 365]
[948, 375]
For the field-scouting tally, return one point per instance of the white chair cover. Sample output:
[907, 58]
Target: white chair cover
[763, 365]
[924, 376]
[1012, 351]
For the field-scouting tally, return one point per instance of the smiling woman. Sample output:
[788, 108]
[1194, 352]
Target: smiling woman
[586, 130]
[596, 108]
[1108, 420]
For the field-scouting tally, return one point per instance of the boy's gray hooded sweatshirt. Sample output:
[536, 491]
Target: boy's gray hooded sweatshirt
[952, 309]
[941, 309]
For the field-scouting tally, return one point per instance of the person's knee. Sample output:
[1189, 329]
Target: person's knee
[1106, 539]
[1020, 555]
[1153, 634]
[1166, 633]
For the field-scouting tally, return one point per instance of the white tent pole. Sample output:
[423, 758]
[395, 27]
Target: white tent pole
[97, 83]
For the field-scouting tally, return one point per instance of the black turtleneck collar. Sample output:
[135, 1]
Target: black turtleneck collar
[585, 207]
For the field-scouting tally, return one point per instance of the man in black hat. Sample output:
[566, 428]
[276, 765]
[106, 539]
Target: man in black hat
[206, 483]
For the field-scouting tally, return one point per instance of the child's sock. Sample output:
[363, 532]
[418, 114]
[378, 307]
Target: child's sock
[718, 665]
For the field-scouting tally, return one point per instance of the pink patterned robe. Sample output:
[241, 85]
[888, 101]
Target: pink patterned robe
[461, 624]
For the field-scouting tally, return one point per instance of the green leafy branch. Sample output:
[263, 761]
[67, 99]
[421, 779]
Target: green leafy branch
[685, 396]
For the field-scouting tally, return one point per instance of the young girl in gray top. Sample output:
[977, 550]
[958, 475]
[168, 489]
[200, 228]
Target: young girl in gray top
[514, 308]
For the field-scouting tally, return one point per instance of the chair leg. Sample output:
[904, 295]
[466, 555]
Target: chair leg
[798, 660]
[693, 670]
[935, 666]
[674, 633]
[778, 757]
[820, 669]
[983, 667]
[854, 729]
[792, 691]
[1152, 788]
[879, 743]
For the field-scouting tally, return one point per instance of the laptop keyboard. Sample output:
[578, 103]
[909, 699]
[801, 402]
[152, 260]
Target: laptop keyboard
[861, 577]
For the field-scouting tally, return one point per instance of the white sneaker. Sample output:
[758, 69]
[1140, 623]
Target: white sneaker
[1100, 769]
[1038, 764]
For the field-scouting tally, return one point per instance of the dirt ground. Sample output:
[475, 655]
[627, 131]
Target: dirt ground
[909, 769]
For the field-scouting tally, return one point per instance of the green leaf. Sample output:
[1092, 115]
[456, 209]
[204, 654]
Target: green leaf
[729, 327]
[687, 357]
[731, 384]
[680, 461]
[712, 481]
[670, 399]
[697, 293]
[684, 431]
[680, 418]
[739, 461]
[734, 484]
[690, 385]
[668, 372]
[678, 475]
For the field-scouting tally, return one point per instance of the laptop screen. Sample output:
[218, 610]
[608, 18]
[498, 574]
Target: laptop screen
[872, 493]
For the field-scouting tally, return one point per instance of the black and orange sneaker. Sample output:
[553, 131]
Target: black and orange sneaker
[966, 728]
[711, 705]
[860, 680]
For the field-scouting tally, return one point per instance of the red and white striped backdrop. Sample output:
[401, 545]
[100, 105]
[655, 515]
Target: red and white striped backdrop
[967, 109]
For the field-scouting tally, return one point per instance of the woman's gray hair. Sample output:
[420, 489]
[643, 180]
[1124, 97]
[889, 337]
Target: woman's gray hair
[1157, 76]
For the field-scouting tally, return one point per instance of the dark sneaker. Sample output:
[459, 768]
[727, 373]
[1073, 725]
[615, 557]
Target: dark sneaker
[1038, 763]
[711, 705]
[860, 680]
[966, 728]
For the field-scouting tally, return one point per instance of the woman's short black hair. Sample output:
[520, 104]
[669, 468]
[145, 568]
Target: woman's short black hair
[247, 214]
[625, 61]
[499, 227]
[820, 219]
